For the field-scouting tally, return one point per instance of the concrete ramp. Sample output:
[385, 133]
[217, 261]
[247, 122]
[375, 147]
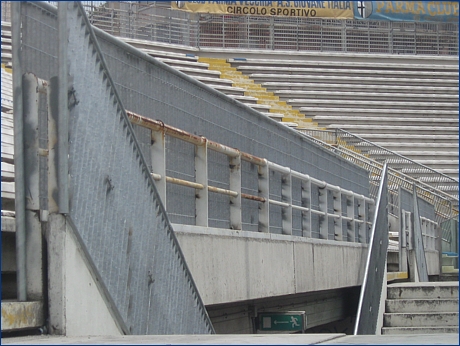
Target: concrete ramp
[114, 206]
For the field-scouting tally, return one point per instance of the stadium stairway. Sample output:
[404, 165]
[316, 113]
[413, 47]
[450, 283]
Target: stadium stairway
[421, 308]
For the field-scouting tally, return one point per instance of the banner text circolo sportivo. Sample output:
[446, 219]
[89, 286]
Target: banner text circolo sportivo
[314, 9]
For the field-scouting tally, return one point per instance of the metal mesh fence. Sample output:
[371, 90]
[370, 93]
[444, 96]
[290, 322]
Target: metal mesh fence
[156, 22]
[149, 22]
[342, 142]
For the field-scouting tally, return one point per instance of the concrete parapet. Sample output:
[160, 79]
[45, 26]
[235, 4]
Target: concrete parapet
[230, 266]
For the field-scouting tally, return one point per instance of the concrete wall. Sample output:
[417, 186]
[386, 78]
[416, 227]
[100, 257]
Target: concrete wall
[76, 304]
[230, 266]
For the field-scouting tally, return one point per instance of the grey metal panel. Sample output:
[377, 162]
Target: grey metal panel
[371, 290]
[419, 248]
[115, 207]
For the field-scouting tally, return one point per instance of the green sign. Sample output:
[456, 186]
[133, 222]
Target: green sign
[283, 321]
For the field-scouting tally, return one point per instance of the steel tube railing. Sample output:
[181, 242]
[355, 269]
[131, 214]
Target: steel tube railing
[285, 201]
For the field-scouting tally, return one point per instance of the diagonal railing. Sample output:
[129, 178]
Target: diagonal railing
[446, 205]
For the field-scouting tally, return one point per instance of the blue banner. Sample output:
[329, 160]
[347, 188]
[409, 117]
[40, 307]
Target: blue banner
[407, 11]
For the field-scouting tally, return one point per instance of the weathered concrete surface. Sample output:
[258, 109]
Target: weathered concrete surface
[426, 319]
[77, 306]
[423, 290]
[19, 315]
[230, 266]
[421, 305]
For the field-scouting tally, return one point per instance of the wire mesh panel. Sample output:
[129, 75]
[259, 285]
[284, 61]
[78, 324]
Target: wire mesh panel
[250, 208]
[218, 176]
[114, 206]
[157, 22]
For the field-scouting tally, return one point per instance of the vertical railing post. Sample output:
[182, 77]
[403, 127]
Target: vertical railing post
[235, 185]
[286, 197]
[306, 203]
[264, 192]
[158, 159]
[33, 238]
[351, 224]
[323, 219]
[201, 176]
[362, 226]
[338, 221]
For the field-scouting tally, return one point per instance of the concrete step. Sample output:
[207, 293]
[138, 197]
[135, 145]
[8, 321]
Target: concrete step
[421, 305]
[381, 88]
[379, 112]
[423, 290]
[397, 147]
[395, 121]
[335, 72]
[363, 96]
[422, 106]
[382, 138]
[419, 330]
[425, 319]
[416, 155]
[404, 67]
[426, 130]
[271, 77]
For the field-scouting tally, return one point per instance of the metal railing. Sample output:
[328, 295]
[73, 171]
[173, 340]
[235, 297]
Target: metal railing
[443, 202]
[154, 22]
[324, 211]
[422, 173]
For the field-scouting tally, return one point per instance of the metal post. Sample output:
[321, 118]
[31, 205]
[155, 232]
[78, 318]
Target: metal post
[338, 221]
[235, 185]
[158, 159]
[286, 197]
[419, 249]
[324, 218]
[351, 224]
[201, 176]
[306, 203]
[264, 190]
[19, 199]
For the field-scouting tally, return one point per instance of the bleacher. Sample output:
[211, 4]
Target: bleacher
[407, 105]
[6, 44]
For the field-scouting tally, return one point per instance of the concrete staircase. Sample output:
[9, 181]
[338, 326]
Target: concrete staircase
[421, 308]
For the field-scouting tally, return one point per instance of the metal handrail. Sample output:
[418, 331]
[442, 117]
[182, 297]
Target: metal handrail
[357, 215]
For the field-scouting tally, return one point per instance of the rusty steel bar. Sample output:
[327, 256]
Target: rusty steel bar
[184, 183]
[187, 183]
[223, 191]
[253, 198]
[157, 125]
